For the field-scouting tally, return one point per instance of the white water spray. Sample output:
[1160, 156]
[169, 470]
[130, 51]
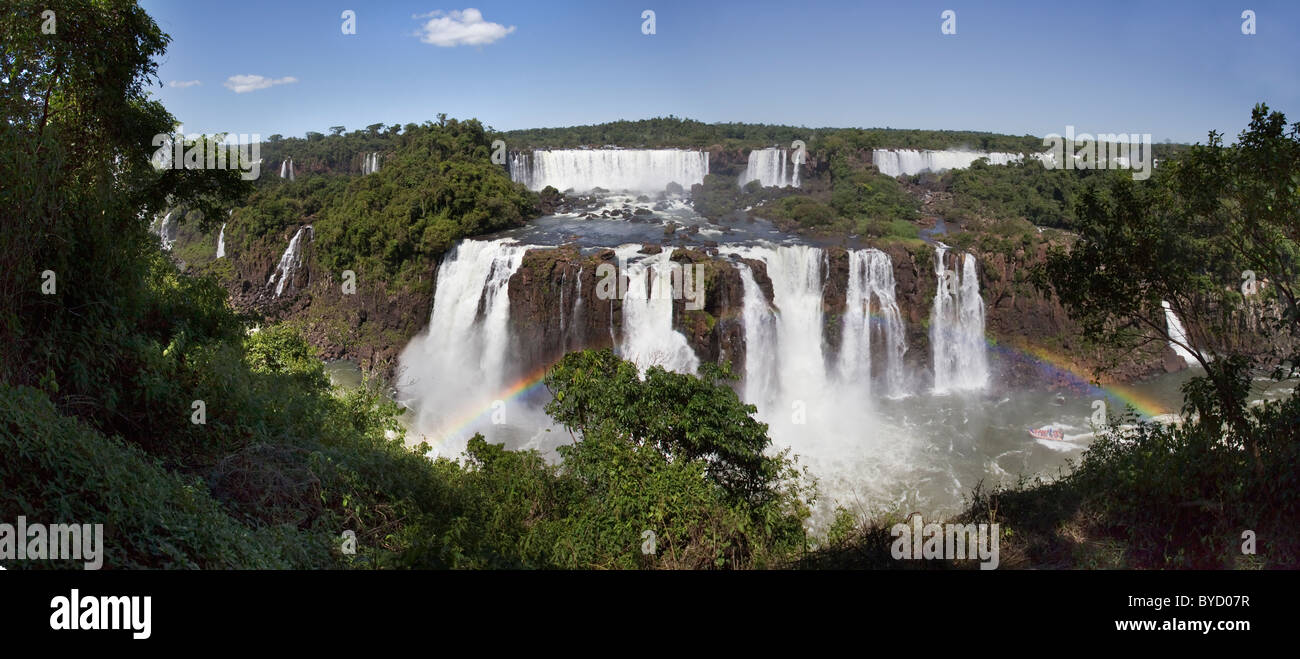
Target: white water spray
[451, 373]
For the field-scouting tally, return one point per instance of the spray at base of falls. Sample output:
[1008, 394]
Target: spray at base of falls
[458, 367]
[960, 355]
[820, 407]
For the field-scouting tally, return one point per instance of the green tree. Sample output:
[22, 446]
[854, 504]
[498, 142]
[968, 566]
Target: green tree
[1186, 237]
[685, 417]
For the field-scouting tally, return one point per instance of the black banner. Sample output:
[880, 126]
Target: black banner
[217, 609]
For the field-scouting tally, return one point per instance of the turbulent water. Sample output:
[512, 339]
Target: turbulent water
[771, 168]
[290, 261]
[957, 327]
[638, 170]
[910, 161]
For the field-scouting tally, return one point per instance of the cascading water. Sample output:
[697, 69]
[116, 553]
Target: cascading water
[648, 335]
[289, 261]
[454, 371]
[871, 275]
[827, 420]
[167, 230]
[1178, 335]
[796, 353]
[221, 242]
[957, 328]
[910, 161]
[762, 381]
[770, 167]
[641, 170]
[370, 165]
[286, 169]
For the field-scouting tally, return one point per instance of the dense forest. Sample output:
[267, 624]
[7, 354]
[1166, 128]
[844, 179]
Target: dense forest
[134, 395]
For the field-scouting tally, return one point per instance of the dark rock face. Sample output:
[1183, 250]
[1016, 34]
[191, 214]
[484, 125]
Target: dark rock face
[1023, 320]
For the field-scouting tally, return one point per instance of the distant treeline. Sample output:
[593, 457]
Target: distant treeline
[342, 152]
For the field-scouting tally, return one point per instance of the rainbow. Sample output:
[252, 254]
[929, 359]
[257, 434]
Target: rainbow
[462, 423]
[1059, 365]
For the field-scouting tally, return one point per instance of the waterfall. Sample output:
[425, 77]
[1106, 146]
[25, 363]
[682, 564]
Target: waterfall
[769, 168]
[648, 335]
[221, 242]
[1178, 335]
[762, 381]
[910, 161]
[167, 230]
[454, 371]
[641, 170]
[798, 357]
[289, 261]
[286, 169]
[871, 274]
[576, 322]
[957, 328]
[370, 164]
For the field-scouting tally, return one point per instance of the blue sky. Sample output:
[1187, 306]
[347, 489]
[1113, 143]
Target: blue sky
[1173, 69]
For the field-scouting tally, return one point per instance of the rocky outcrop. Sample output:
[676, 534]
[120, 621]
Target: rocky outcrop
[366, 322]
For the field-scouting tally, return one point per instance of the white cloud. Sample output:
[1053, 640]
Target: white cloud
[460, 28]
[182, 84]
[247, 83]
